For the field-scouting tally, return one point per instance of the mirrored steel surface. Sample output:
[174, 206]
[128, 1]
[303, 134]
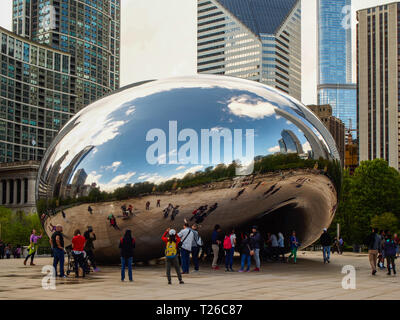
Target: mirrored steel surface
[103, 159]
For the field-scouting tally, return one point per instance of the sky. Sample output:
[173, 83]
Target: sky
[159, 39]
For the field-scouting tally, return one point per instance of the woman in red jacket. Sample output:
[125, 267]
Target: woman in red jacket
[171, 240]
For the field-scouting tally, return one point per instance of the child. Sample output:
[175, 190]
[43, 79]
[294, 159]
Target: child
[171, 240]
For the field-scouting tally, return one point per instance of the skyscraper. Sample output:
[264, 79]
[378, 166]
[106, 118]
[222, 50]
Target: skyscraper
[378, 63]
[258, 40]
[335, 85]
[88, 30]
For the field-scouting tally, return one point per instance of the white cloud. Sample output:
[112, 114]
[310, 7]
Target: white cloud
[306, 147]
[245, 106]
[115, 165]
[130, 110]
[274, 149]
[180, 168]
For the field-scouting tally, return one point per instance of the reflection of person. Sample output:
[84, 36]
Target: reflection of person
[90, 210]
[33, 240]
[158, 203]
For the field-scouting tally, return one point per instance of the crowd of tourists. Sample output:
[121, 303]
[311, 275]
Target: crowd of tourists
[7, 250]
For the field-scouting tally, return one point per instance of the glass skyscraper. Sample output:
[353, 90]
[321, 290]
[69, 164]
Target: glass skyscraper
[258, 40]
[89, 30]
[335, 85]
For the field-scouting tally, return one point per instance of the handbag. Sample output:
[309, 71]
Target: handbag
[181, 242]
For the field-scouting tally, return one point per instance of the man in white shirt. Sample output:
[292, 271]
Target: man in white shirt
[187, 237]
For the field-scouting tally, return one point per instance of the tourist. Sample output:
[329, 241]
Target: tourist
[294, 245]
[17, 252]
[2, 249]
[374, 243]
[229, 247]
[187, 237]
[63, 214]
[57, 243]
[78, 244]
[397, 242]
[175, 212]
[281, 245]
[113, 222]
[341, 245]
[130, 209]
[247, 250]
[8, 251]
[172, 240]
[274, 247]
[127, 244]
[390, 254]
[326, 242]
[381, 255]
[196, 245]
[90, 210]
[33, 240]
[215, 243]
[90, 237]
[256, 237]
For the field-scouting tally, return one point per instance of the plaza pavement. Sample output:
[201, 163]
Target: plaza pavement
[309, 279]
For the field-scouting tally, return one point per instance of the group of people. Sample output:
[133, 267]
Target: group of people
[383, 246]
[174, 210]
[7, 250]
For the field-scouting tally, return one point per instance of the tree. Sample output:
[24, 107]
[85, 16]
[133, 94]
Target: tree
[386, 221]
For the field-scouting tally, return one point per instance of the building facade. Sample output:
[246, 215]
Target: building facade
[378, 80]
[335, 126]
[17, 185]
[335, 85]
[88, 30]
[251, 39]
[37, 97]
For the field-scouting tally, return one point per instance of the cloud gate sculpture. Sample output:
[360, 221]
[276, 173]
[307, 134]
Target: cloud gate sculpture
[209, 149]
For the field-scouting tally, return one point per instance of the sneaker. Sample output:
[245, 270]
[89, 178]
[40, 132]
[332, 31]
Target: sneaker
[216, 268]
[329, 261]
[231, 270]
[25, 263]
[226, 270]
[96, 269]
[181, 282]
[32, 264]
[389, 273]
[169, 282]
[256, 270]
[248, 270]
[374, 272]
[240, 270]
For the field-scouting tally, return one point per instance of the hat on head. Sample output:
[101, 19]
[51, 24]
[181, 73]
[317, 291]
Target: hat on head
[172, 232]
[325, 229]
[254, 227]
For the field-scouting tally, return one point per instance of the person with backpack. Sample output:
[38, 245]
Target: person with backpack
[294, 245]
[256, 237]
[389, 248]
[172, 240]
[127, 244]
[247, 252]
[187, 236]
[229, 247]
[90, 237]
[326, 242]
[196, 245]
[373, 242]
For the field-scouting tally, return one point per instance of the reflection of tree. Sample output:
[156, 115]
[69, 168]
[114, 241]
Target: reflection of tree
[221, 172]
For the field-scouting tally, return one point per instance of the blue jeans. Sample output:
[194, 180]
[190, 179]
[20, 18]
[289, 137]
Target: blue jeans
[327, 253]
[229, 258]
[244, 258]
[58, 259]
[126, 262]
[185, 255]
[195, 257]
[257, 258]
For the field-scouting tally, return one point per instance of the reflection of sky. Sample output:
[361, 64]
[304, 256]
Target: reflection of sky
[117, 125]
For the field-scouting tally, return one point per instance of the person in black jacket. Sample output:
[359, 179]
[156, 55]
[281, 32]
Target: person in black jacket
[326, 242]
[247, 251]
[127, 244]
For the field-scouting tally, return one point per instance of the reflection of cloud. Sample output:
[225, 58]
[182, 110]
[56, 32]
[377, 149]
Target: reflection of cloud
[93, 177]
[123, 177]
[115, 165]
[157, 179]
[246, 106]
[180, 168]
[306, 147]
[117, 182]
[130, 110]
[274, 149]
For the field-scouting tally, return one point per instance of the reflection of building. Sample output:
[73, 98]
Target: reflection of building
[335, 85]
[333, 124]
[79, 178]
[378, 81]
[351, 154]
[290, 143]
[252, 39]
[17, 185]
